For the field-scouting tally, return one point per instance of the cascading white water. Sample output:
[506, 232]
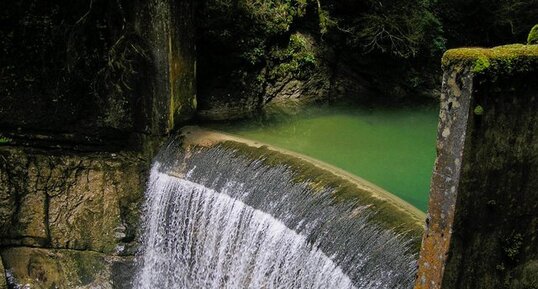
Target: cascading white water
[205, 239]
[215, 219]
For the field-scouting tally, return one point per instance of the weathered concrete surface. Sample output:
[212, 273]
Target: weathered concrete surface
[482, 226]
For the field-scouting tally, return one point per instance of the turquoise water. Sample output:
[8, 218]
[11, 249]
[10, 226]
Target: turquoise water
[392, 148]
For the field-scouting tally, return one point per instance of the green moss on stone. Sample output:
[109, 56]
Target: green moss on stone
[481, 64]
[83, 266]
[479, 110]
[505, 59]
[533, 35]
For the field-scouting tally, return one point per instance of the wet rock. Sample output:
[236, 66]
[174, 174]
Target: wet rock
[49, 268]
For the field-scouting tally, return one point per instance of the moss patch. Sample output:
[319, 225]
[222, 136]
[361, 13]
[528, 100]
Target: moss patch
[479, 110]
[505, 59]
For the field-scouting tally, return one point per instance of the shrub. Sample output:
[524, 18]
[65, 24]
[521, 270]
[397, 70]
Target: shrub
[533, 35]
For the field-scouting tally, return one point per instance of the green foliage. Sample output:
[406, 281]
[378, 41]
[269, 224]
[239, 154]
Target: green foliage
[326, 22]
[533, 35]
[4, 140]
[277, 15]
[244, 43]
[234, 43]
[298, 57]
[399, 28]
[246, 27]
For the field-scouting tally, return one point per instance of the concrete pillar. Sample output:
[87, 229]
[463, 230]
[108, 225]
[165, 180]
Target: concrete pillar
[482, 224]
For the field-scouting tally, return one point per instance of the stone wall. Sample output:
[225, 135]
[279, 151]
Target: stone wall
[70, 201]
[95, 72]
[51, 268]
[88, 91]
[81, 207]
[67, 219]
[482, 226]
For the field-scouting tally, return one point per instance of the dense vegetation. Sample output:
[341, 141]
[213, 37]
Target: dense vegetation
[246, 46]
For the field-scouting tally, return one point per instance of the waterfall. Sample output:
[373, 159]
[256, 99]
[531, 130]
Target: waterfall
[216, 219]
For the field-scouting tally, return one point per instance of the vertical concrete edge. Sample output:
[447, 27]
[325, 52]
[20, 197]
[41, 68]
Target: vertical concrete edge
[455, 107]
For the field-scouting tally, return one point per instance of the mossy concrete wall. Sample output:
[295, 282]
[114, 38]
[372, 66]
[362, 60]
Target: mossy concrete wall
[88, 89]
[482, 225]
[95, 72]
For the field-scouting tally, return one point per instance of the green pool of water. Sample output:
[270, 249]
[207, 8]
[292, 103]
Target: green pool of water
[392, 148]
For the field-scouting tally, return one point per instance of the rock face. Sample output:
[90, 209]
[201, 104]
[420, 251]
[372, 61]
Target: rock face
[305, 71]
[482, 228]
[43, 269]
[64, 201]
[88, 203]
[88, 91]
[95, 71]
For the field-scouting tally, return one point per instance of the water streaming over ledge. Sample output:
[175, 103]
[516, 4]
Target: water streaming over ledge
[214, 218]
